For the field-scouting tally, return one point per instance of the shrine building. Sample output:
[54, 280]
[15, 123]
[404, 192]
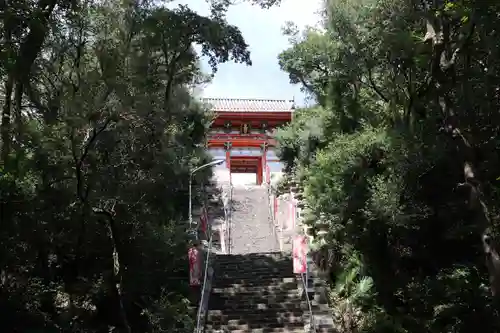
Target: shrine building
[243, 134]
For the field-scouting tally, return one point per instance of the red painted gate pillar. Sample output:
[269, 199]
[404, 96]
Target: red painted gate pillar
[263, 162]
[259, 172]
[227, 147]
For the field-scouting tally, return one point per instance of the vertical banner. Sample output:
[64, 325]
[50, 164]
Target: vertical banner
[275, 205]
[228, 159]
[281, 219]
[299, 255]
[194, 256]
[292, 212]
[271, 205]
[268, 174]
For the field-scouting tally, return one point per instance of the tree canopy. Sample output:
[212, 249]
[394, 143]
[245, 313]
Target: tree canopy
[99, 132]
[397, 162]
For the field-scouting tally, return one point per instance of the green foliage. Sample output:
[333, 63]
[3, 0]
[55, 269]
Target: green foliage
[99, 134]
[384, 161]
[307, 62]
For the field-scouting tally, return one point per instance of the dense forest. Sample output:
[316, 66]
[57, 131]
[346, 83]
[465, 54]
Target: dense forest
[398, 162]
[99, 130]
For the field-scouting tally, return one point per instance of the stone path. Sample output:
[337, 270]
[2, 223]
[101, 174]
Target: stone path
[251, 231]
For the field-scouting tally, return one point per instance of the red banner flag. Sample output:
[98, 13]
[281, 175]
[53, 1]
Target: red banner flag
[194, 266]
[292, 212]
[268, 174]
[299, 255]
[275, 204]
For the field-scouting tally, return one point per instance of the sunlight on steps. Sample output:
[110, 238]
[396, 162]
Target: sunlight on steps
[254, 289]
[259, 293]
[251, 230]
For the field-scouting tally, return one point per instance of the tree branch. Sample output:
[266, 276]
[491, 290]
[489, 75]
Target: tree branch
[374, 86]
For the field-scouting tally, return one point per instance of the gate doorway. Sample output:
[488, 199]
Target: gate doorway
[242, 166]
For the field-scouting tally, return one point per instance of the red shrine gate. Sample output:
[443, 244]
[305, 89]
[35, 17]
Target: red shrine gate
[242, 133]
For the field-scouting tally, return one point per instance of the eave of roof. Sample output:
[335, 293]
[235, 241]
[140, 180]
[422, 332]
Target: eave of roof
[249, 105]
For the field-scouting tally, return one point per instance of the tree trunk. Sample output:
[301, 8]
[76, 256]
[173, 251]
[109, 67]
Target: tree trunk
[6, 126]
[442, 78]
[116, 280]
[19, 73]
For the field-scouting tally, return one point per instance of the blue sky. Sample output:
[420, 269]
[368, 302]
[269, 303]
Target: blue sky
[262, 31]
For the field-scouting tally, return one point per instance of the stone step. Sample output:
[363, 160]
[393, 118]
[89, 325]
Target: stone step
[253, 298]
[234, 306]
[266, 291]
[256, 321]
[253, 275]
[261, 330]
[261, 280]
[254, 266]
[243, 327]
[276, 254]
[238, 324]
[257, 268]
[260, 262]
[252, 314]
[267, 297]
[255, 286]
[242, 285]
[272, 330]
[257, 276]
[257, 261]
[261, 257]
[230, 289]
[275, 257]
[285, 303]
[237, 277]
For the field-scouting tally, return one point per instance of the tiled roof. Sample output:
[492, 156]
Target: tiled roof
[249, 105]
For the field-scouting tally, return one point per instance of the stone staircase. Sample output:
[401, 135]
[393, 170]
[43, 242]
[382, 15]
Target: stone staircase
[258, 293]
[251, 230]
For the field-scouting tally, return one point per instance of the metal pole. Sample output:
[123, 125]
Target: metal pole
[230, 222]
[190, 201]
[190, 207]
